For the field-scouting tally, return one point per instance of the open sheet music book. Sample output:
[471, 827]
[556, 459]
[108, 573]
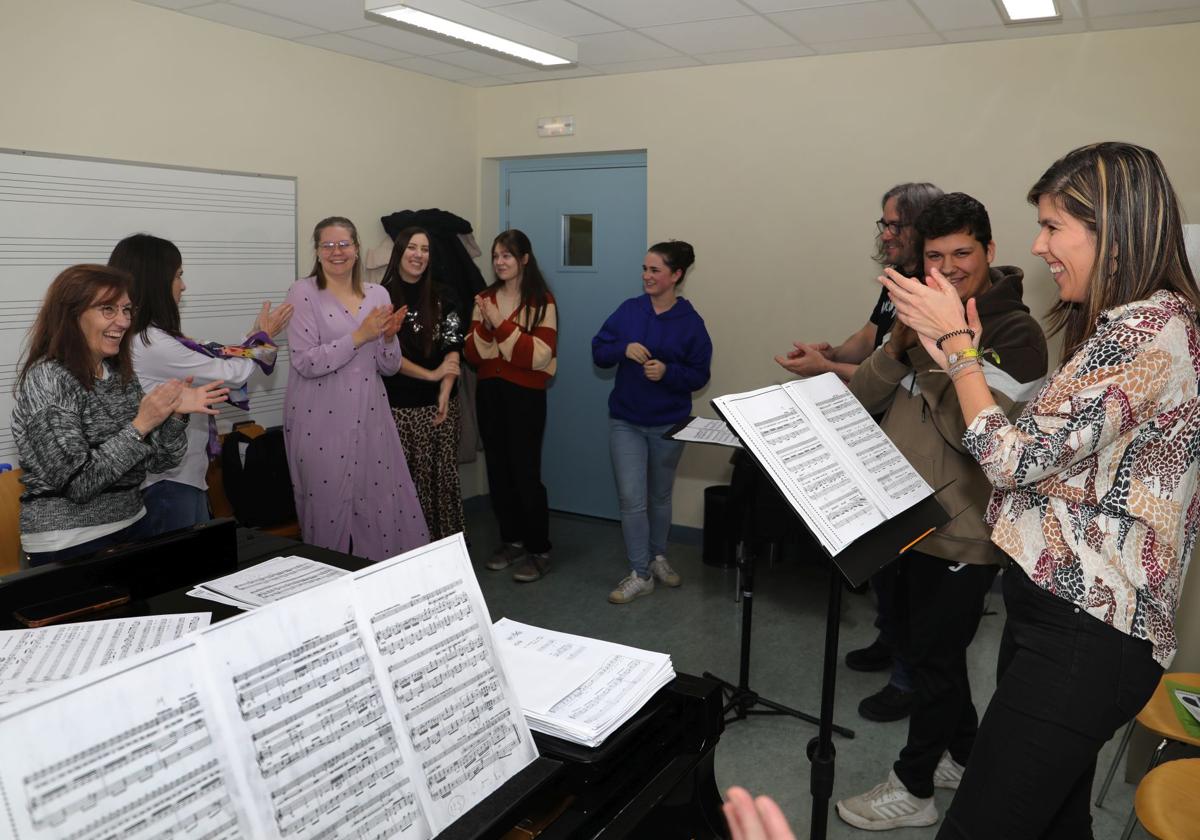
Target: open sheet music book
[373, 706]
[828, 458]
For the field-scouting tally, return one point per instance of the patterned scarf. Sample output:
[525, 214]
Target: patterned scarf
[259, 348]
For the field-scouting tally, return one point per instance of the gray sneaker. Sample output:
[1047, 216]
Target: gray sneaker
[505, 556]
[631, 588]
[888, 805]
[663, 573]
[948, 772]
[534, 568]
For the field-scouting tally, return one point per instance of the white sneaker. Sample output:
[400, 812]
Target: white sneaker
[888, 805]
[948, 773]
[661, 571]
[630, 588]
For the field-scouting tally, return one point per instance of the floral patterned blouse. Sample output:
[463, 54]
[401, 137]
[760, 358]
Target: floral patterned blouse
[1096, 492]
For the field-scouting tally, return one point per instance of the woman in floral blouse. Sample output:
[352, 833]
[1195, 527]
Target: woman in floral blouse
[1096, 494]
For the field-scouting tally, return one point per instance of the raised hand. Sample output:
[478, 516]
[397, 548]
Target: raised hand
[489, 311]
[806, 359]
[932, 308]
[272, 322]
[393, 323]
[637, 352]
[160, 403]
[372, 325]
[754, 818]
[202, 399]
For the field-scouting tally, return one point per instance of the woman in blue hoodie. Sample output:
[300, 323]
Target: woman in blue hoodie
[662, 352]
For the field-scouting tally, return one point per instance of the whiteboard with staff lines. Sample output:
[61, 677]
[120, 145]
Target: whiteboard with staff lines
[236, 232]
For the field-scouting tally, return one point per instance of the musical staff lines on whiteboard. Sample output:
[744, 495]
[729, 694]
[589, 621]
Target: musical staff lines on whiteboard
[51, 189]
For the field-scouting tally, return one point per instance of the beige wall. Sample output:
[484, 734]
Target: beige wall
[774, 170]
[118, 79]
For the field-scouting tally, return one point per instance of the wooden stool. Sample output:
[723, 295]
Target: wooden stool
[1159, 717]
[1167, 801]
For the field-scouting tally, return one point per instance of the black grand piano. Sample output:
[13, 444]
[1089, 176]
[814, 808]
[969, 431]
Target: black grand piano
[653, 778]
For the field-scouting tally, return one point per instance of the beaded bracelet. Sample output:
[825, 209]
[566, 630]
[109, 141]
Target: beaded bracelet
[952, 333]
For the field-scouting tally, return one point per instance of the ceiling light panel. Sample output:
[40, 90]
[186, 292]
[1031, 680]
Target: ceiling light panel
[1020, 11]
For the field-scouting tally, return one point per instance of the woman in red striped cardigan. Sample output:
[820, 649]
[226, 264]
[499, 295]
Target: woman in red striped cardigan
[514, 333]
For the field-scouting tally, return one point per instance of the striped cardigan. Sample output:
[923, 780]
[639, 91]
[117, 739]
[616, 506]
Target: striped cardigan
[511, 352]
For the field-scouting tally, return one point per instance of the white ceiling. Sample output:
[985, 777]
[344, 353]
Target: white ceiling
[631, 36]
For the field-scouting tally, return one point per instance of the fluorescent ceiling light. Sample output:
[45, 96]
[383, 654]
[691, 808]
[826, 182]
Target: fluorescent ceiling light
[1021, 11]
[462, 21]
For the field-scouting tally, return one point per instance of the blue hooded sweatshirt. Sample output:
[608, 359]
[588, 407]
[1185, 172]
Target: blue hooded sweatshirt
[677, 338]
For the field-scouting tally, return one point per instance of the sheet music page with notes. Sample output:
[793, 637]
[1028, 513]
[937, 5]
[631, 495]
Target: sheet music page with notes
[462, 721]
[134, 753]
[831, 461]
[310, 725]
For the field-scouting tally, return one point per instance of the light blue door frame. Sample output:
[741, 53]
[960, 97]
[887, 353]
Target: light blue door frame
[536, 196]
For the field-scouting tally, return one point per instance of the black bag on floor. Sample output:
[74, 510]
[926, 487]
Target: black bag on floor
[260, 489]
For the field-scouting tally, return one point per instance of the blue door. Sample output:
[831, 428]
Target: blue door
[586, 218]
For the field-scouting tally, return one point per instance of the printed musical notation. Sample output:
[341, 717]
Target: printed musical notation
[120, 759]
[832, 462]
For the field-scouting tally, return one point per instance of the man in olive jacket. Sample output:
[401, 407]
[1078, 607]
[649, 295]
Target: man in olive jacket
[944, 583]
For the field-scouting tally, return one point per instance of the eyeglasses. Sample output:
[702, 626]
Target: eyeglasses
[893, 228]
[327, 247]
[110, 310]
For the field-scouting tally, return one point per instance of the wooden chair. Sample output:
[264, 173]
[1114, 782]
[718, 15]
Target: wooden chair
[10, 521]
[1167, 801]
[219, 503]
[1159, 717]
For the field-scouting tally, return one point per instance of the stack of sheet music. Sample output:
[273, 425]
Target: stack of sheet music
[576, 688]
[267, 582]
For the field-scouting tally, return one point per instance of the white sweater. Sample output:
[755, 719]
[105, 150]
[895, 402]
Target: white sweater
[165, 358]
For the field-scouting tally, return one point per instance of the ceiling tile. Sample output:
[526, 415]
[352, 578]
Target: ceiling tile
[558, 17]
[1028, 30]
[329, 15]
[484, 64]
[485, 81]
[644, 65]
[174, 4]
[400, 38]
[1146, 19]
[550, 75]
[894, 42]
[612, 47]
[705, 36]
[787, 5]
[254, 21]
[768, 54]
[960, 14]
[432, 67]
[876, 19]
[638, 13]
[352, 46]
[1100, 8]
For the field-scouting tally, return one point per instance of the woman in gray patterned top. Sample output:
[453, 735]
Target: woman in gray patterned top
[86, 433]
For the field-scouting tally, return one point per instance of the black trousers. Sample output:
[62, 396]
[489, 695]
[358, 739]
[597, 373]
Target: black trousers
[944, 602]
[1067, 682]
[512, 420]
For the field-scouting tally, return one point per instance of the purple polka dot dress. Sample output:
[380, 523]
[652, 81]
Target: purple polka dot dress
[347, 465]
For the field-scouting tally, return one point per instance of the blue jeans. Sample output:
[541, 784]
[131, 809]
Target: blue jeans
[171, 505]
[136, 532]
[644, 465]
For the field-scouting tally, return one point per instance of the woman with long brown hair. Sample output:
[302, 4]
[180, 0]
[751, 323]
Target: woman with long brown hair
[1095, 499]
[86, 433]
[512, 343]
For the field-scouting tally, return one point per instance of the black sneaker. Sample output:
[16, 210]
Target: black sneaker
[874, 657]
[887, 705]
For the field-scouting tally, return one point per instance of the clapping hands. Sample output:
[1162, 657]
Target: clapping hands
[272, 322]
[381, 322]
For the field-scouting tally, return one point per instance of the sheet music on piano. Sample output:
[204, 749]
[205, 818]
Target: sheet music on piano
[33, 659]
[831, 461]
[321, 716]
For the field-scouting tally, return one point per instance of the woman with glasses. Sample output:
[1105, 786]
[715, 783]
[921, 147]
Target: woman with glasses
[86, 433]
[178, 498]
[512, 343]
[352, 486]
[423, 395]
[1095, 498]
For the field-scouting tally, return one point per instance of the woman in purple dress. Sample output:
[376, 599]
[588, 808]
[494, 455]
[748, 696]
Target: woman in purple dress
[352, 486]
